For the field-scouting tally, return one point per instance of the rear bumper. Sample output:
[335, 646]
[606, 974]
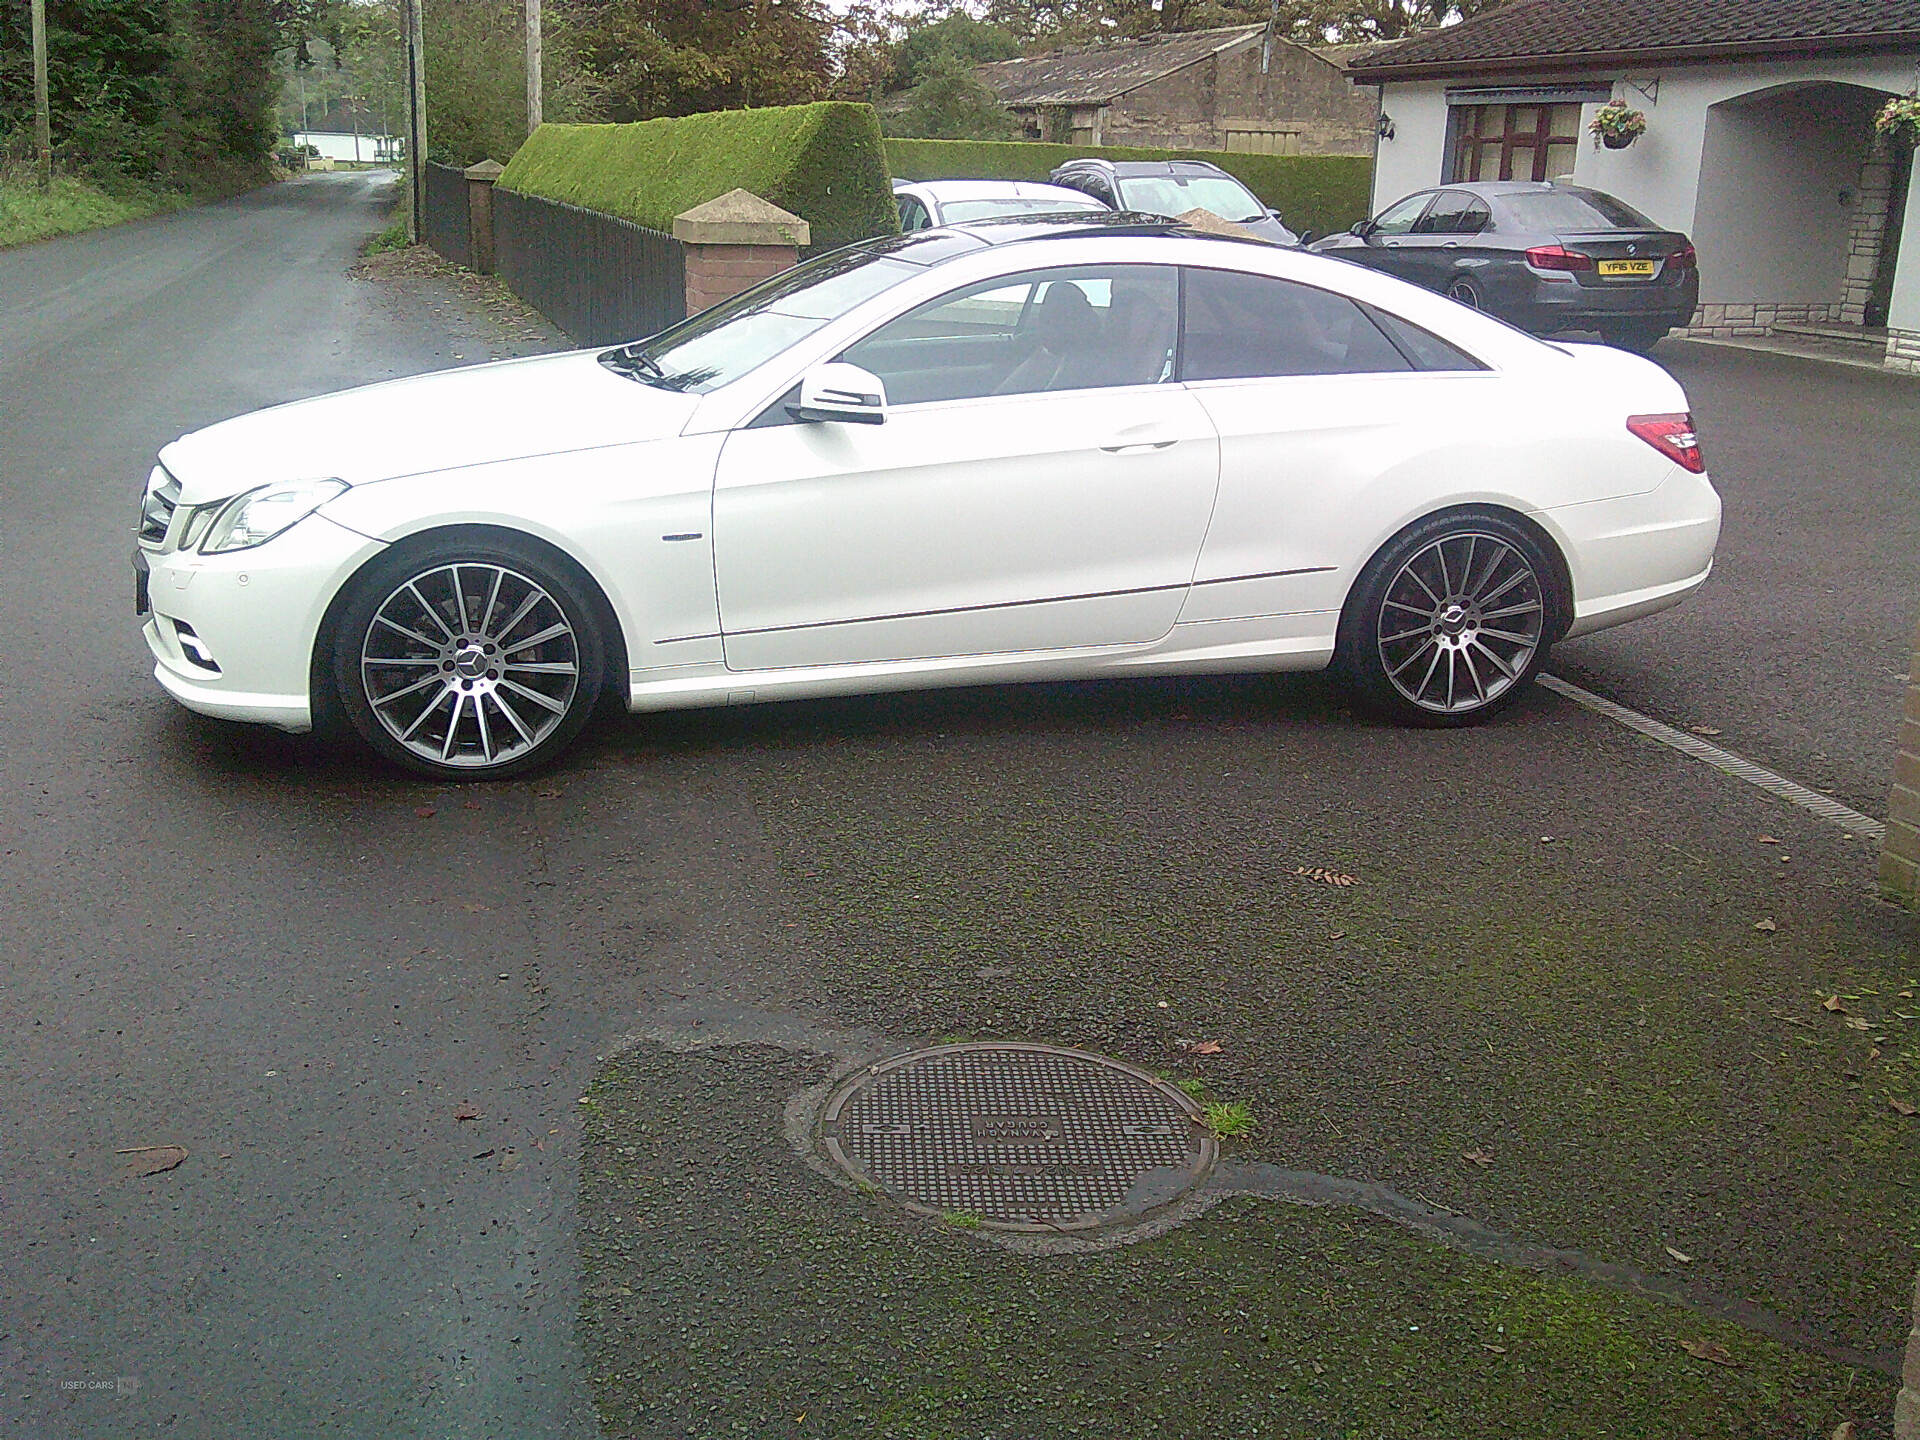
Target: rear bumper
[1637, 554]
[1565, 304]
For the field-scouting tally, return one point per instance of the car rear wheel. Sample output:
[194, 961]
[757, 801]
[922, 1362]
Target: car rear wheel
[1450, 621]
[1465, 292]
[468, 660]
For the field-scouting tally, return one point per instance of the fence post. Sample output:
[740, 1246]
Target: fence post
[480, 180]
[733, 242]
[1900, 857]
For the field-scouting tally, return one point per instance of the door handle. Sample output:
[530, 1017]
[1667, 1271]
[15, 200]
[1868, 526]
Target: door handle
[1138, 447]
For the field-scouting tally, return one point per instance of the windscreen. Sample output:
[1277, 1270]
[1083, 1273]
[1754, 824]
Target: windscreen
[1558, 212]
[727, 340]
[1176, 194]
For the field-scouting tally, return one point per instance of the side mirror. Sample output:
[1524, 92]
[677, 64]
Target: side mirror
[1306, 238]
[842, 392]
[1362, 229]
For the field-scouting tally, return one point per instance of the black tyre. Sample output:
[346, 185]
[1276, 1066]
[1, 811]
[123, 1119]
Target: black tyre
[1464, 292]
[1450, 622]
[468, 659]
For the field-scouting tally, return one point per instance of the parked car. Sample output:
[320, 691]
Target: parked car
[925, 204]
[1011, 451]
[1544, 255]
[1172, 188]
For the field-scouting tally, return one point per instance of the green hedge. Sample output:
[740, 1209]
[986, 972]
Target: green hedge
[1321, 193]
[821, 162]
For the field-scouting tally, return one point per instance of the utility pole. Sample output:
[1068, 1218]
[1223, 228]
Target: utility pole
[533, 66]
[42, 113]
[416, 123]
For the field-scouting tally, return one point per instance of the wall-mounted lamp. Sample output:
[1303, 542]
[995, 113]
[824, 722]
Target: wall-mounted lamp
[1383, 127]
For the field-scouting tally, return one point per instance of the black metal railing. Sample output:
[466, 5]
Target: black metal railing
[446, 213]
[599, 278]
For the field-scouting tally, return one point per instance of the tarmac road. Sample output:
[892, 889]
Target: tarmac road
[367, 1006]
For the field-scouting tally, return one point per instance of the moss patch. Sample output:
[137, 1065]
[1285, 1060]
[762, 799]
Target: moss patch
[729, 1290]
[1321, 193]
[821, 162]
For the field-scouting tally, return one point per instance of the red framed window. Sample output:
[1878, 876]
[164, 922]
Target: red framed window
[1514, 142]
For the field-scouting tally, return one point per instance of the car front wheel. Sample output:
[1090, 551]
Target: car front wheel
[468, 660]
[1449, 622]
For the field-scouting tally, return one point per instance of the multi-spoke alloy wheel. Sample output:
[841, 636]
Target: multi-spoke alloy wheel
[471, 664]
[1450, 620]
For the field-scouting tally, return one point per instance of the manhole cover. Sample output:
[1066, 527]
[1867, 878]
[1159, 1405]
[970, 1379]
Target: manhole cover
[1024, 1137]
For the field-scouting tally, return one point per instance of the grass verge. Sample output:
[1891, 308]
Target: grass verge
[28, 213]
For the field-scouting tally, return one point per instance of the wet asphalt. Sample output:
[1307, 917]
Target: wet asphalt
[367, 1006]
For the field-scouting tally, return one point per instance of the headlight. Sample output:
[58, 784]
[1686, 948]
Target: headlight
[257, 516]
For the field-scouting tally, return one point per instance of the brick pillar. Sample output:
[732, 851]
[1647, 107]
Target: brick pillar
[480, 180]
[1906, 1409]
[1900, 859]
[734, 242]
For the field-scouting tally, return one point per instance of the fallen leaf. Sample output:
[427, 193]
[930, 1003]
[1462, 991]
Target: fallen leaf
[484, 1155]
[153, 1159]
[1318, 1368]
[1768, 840]
[1845, 1430]
[1546, 839]
[1708, 1350]
[1681, 1256]
[1703, 730]
[1766, 926]
[510, 1160]
[425, 812]
[476, 909]
[1496, 1349]
[1323, 876]
[1901, 1107]
[1478, 1157]
[1338, 935]
[1833, 1006]
[1206, 1047]
[464, 1113]
[549, 794]
[1904, 995]
[1858, 1022]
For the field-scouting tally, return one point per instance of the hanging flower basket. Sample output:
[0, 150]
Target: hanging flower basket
[1899, 120]
[1616, 125]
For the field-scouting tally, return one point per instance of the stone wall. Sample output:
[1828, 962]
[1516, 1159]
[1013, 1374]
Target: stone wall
[1867, 233]
[1725, 322]
[1906, 1409]
[1900, 857]
[1903, 351]
[1195, 107]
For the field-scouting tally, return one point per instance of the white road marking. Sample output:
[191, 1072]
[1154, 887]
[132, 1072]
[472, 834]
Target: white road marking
[1827, 808]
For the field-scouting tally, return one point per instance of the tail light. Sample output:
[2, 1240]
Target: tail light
[1673, 437]
[1683, 259]
[1557, 257]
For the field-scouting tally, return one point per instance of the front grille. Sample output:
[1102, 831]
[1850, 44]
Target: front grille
[157, 507]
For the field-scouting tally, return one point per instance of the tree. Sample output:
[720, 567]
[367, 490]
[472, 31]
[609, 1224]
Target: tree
[949, 103]
[678, 57]
[959, 35]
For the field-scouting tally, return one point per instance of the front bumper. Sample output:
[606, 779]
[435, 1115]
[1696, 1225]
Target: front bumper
[233, 635]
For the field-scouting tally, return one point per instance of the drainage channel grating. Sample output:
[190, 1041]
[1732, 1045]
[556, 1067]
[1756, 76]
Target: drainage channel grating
[1019, 1137]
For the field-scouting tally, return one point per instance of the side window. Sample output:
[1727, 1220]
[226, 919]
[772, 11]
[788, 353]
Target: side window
[1399, 217]
[1088, 327]
[1425, 349]
[1239, 326]
[1448, 214]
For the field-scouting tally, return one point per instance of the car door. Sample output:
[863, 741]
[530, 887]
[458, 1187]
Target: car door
[1432, 252]
[1389, 243]
[1320, 405]
[1039, 483]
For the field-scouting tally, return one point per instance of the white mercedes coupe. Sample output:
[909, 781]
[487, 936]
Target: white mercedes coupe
[1006, 451]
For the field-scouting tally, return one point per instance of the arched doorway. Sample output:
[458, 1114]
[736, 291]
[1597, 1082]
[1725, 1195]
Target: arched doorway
[1798, 213]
